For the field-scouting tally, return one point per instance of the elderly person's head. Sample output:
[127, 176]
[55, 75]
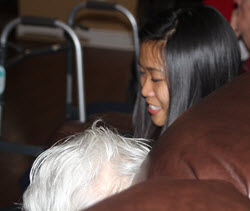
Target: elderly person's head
[84, 169]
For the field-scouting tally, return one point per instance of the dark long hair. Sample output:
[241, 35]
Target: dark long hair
[201, 54]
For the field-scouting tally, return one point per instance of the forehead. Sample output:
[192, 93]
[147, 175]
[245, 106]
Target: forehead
[109, 180]
[152, 53]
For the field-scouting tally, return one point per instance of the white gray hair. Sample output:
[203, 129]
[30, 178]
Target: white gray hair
[67, 175]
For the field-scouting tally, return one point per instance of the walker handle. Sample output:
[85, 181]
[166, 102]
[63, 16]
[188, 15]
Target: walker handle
[100, 5]
[38, 21]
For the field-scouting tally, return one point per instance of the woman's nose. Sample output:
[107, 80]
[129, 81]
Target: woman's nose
[147, 87]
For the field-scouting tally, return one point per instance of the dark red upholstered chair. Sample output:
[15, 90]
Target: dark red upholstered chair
[202, 161]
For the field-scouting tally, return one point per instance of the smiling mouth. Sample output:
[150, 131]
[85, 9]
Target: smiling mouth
[153, 109]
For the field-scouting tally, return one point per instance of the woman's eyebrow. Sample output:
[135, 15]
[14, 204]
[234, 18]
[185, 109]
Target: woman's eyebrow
[150, 68]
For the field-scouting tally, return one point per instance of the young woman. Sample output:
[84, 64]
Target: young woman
[185, 55]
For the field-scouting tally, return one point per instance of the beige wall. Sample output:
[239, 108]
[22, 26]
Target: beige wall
[60, 9]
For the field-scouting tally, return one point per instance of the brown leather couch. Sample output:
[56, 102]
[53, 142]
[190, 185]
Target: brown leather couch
[202, 162]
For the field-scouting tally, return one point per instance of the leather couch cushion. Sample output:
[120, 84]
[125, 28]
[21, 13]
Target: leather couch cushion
[178, 195]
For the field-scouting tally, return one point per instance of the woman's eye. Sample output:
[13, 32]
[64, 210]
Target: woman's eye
[156, 80]
[157, 76]
[142, 72]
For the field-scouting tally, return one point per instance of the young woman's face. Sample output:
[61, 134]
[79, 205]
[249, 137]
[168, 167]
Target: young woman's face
[153, 82]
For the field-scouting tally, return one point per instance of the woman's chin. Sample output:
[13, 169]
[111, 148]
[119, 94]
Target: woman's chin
[159, 122]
